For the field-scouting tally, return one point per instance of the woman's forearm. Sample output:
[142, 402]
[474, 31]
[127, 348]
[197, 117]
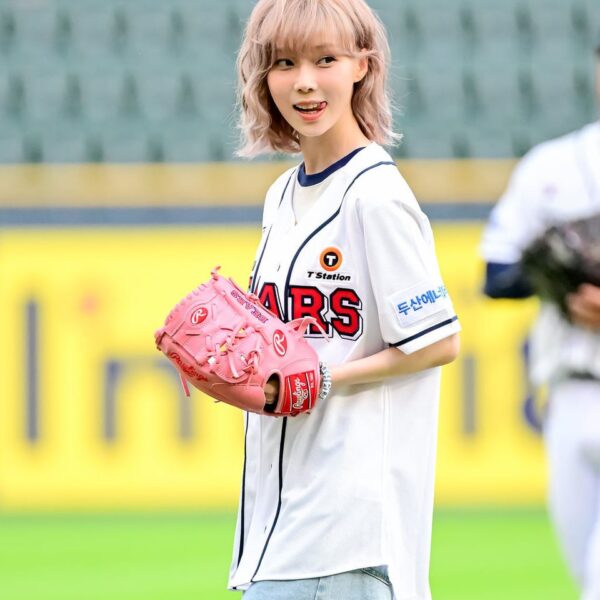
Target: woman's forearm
[393, 362]
[387, 363]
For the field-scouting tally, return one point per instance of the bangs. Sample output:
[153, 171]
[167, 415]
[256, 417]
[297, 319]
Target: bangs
[302, 24]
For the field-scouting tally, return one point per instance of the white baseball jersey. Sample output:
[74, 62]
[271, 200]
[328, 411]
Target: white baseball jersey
[555, 182]
[349, 485]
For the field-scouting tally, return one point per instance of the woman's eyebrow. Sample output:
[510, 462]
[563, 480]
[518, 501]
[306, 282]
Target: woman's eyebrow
[317, 48]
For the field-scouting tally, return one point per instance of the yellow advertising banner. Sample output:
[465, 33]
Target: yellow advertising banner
[94, 417]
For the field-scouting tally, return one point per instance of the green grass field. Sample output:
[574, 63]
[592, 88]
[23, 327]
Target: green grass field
[477, 555]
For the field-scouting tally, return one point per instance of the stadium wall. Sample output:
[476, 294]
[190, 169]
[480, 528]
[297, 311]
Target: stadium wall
[92, 259]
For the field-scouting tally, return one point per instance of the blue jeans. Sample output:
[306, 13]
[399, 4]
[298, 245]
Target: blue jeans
[371, 583]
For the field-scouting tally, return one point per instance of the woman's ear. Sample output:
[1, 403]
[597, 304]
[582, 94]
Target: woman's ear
[362, 66]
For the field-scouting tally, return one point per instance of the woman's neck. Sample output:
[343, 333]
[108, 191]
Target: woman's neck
[321, 152]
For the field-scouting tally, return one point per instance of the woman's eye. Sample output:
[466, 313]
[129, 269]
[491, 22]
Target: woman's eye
[284, 62]
[327, 60]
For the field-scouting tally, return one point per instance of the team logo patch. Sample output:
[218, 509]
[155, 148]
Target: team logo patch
[280, 342]
[331, 259]
[199, 315]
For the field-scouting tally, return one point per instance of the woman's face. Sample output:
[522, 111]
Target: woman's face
[313, 88]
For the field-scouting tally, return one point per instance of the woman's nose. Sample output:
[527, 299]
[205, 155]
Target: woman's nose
[306, 80]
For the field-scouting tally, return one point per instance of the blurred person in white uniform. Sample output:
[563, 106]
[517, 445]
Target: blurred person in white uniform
[558, 181]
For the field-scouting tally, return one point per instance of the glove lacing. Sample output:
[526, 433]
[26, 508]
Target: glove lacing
[251, 359]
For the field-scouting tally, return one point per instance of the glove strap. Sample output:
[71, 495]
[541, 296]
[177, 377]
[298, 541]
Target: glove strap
[184, 385]
[325, 381]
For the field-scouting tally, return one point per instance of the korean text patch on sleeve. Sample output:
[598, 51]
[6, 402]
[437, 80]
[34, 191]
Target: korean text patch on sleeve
[418, 302]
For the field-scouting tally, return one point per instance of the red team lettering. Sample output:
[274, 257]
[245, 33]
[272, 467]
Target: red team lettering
[269, 298]
[346, 305]
[309, 302]
[343, 304]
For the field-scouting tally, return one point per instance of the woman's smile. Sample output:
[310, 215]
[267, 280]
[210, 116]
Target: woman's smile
[310, 111]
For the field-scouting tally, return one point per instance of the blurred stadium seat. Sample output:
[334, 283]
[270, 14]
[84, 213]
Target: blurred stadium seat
[146, 81]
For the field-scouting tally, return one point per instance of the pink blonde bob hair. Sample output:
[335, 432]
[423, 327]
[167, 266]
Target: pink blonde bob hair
[294, 23]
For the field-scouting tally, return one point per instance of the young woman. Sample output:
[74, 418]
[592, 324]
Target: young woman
[338, 503]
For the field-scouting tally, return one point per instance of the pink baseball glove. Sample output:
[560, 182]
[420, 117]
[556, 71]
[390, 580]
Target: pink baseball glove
[227, 344]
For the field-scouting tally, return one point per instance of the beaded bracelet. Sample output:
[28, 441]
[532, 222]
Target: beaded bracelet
[325, 381]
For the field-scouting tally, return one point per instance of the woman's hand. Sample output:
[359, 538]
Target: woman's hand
[272, 390]
[584, 306]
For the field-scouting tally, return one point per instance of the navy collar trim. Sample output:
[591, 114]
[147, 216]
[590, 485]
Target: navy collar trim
[306, 180]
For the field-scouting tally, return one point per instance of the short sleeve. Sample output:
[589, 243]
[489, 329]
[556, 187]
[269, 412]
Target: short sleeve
[515, 220]
[413, 304]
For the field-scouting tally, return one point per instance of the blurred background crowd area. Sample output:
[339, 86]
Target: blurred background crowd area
[149, 81]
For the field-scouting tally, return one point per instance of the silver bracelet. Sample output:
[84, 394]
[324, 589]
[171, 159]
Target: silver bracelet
[325, 381]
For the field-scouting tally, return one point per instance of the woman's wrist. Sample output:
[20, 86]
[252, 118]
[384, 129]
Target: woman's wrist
[325, 387]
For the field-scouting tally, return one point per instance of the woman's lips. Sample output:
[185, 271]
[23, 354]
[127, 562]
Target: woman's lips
[310, 111]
